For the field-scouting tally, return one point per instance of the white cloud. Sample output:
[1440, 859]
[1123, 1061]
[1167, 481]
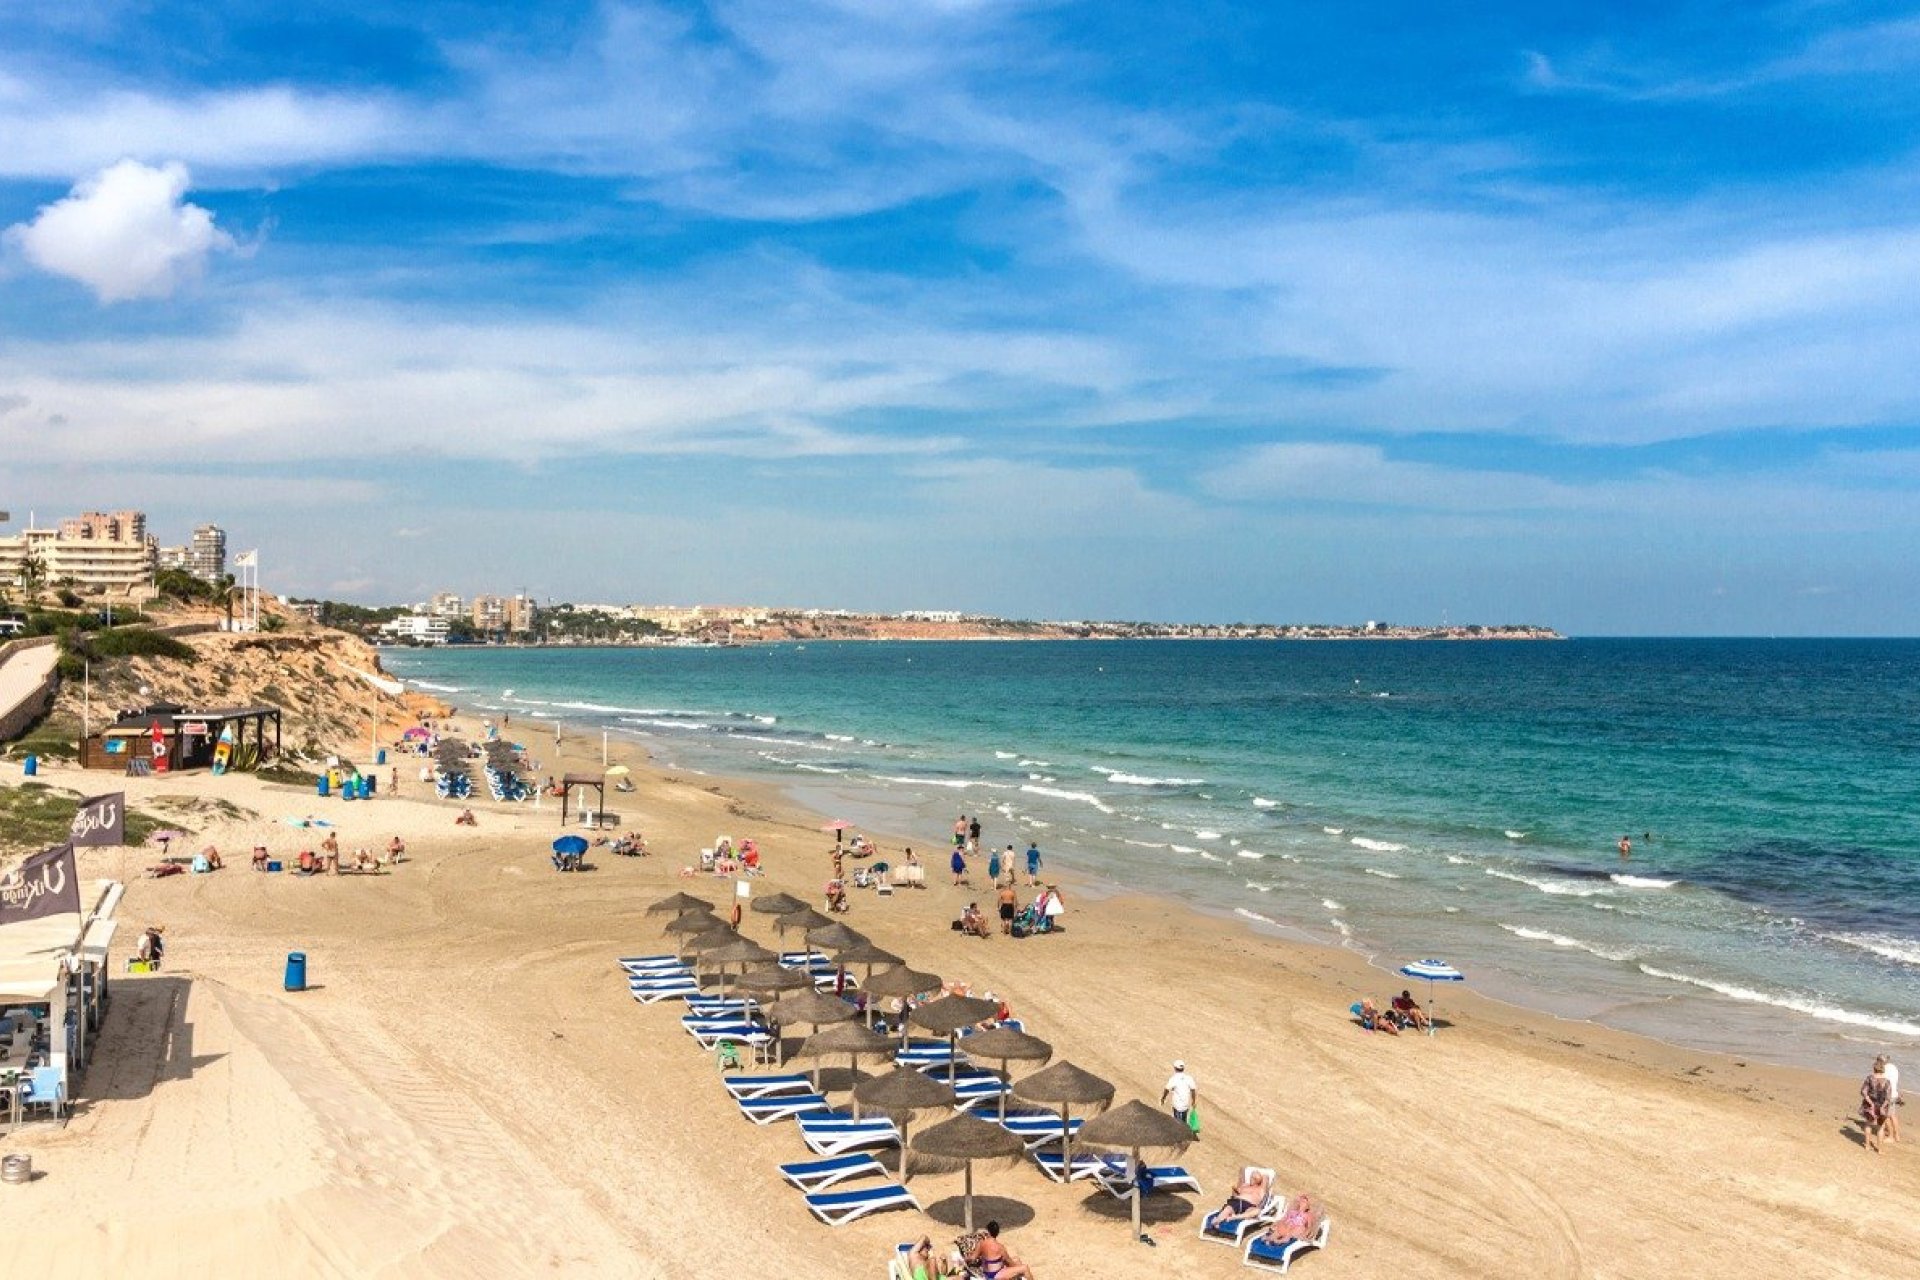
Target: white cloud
[125, 233]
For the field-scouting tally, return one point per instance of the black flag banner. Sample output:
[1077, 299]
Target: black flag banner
[101, 821]
[47, 884]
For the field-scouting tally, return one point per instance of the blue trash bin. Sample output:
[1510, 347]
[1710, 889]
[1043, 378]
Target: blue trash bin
[33, 766]
[296, 971]
[368, 786]
[380, 756]
[320, 785]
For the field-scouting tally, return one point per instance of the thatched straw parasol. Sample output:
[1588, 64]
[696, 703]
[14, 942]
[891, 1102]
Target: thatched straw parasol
[833, 936]
[771, 979]
[945, 1017]
[1064, 1086]
[779, 904]
[740, 951]
[1129, 1128]
[851, 1038]
[1004, 1045]
[814, 1008]
[803, 919]
[694, 922]
[899, 981]
[968, 1138]
[900, 1093]
[679, 904]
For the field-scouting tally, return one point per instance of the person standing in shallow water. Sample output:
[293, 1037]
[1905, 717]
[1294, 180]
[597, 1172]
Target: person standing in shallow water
[1626, 848]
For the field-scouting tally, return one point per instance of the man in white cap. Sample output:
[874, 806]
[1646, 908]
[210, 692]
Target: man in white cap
[1181, 1091]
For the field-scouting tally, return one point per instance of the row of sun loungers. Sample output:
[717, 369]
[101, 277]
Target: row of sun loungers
[843, 1145]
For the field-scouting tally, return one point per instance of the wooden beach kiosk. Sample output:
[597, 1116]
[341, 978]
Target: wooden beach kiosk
[184, 738]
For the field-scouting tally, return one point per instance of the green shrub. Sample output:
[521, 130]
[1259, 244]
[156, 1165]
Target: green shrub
[138, 642]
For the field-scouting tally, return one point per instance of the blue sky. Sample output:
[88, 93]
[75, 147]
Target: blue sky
[1598, 316]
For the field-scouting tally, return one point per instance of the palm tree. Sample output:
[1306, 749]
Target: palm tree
[33, 573]
[224, 594]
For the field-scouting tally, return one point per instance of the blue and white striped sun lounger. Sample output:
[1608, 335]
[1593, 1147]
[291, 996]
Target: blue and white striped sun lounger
[765, 1086]
[804, 960]
[643, 964]
[1278, 1257]
[654, 977]
[1085, 1164]
[818, 1175]
[974, 1090]
[1036, 1128]
[837, 1133]
[695, 1025]
[837, 1208]
[748, 1033]
[1112, 1177]
[654, 993]
[780, 1106]
[828, 979]
[707, 1007]
[922, 1055]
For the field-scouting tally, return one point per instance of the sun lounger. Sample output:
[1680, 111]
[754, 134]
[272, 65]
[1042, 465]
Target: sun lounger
[922, 1056]
[818, 1175]
[804, 960]
[654, 993]
[1037, 1128]
[1085, 1164]
[1236, 1231]
[974, 1090]
[1279, 1257]
[1113, 1178]
[705, 1007]
[837, 1208]
[830, 979]
[645, 964]
[747, 1033]
[663, 977]
[782, 1106]
[766, 1086]
[838, 1133]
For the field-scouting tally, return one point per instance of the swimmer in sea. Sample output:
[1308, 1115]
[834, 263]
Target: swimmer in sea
[1626, 848]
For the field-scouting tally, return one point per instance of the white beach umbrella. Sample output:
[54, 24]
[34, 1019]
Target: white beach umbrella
[1430, 972]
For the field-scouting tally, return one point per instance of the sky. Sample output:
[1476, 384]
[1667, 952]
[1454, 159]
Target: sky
[1599, 317]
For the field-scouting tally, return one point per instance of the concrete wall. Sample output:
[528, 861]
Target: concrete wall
[24, 698]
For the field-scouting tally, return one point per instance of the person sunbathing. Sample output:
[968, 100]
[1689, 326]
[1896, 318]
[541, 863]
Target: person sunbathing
[259, 857]
[836, 896]
[396, 851]
[971, 921]
[465, 819]
[1244, 1200]
[1408, 1010]
[994, 1259]
[924, 1264]
[1301, 1221]
[1373, 1020]
[363, 860]
[212, 855]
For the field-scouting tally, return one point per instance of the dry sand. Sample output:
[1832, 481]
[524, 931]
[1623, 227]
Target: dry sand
[468, 1091]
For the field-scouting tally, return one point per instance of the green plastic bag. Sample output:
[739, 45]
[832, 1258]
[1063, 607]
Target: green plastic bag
[1193, 1118]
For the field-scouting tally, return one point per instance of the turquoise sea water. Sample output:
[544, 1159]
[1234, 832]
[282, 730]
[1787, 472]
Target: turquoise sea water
[1407, 799]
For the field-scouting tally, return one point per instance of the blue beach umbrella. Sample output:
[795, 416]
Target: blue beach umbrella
[570, 844]
[1430, 972]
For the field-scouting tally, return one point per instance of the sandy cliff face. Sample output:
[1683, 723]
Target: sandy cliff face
[317, 677]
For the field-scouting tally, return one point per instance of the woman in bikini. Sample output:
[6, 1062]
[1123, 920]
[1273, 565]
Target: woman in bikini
[1299, 1222]
[994, 1261]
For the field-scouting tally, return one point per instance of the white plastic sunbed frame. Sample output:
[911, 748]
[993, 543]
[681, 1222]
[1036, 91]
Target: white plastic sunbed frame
[818, 1175]
[1236, 1233]
[837, 1208]
[1290, 1253]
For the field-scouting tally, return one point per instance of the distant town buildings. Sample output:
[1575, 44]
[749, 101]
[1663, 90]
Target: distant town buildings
[502, 615]
[931, 615]
[447, 604]
[416, 628]
[207, 553]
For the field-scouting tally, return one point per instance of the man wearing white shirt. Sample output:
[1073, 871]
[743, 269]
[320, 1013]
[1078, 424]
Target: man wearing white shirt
[1181, 1092]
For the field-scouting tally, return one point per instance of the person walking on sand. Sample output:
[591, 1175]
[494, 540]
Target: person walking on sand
[1876, 1103]
[1033, 864]
[959, 864]
[993, 867]
[1009, 907]
[973, 834]
[1626, 848]
[1181, 1093]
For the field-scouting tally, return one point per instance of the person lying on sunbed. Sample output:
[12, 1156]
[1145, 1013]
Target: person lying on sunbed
[465, 819]
[259, 857]
[924, 1264]
[363, 860]
[1373, 1020]
[1244, 1200]
[971, 921]
[1300, 1221]
[1408, 1011]
[836, 895]
[396, 851]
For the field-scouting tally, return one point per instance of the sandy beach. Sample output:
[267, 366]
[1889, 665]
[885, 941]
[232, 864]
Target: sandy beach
[468, 1090]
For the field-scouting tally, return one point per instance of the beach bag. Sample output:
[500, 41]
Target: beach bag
[1019, 929]
[1193, 1118]
[1145, 1181]
[959, 927]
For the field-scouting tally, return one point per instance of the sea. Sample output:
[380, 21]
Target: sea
[1409, 799]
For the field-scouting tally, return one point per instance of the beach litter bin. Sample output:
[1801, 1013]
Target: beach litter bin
[320, 786]
[380, 756]
[32, 766]
[296, 971]
[368, 785]
[16, 1168]
[274, 864]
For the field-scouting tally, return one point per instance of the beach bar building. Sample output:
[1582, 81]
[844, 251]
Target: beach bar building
[185, 738]
[53, 990]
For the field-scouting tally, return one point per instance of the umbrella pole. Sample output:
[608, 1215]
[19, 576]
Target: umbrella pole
[1133, 1168]
[1066, 1143]
[906, 1122]
[969, 1197]
[1003, 1096]
[953, 1052]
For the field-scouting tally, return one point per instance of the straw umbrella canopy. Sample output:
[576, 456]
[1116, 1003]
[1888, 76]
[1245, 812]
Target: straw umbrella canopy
[679, 904]
[771, 979]
[865, 953]
[779, 904]
[899, 981]
[945, 1017]
[833, 936]
[1064, 1086]
[814, 1008]
[1129, 1128]
[740, 951]
[695, 922]
[900, 1093]
[1004, 1045]
[968, 1138]
[803, 919]
[851, 1038]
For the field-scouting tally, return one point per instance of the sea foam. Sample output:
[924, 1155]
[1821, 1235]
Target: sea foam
[1559, 888]
[1798, 1003]
[1058, 794]
[1887, 946]
[1642, 882]
[1377, 846]
[1261, 802]
[1562, 940]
